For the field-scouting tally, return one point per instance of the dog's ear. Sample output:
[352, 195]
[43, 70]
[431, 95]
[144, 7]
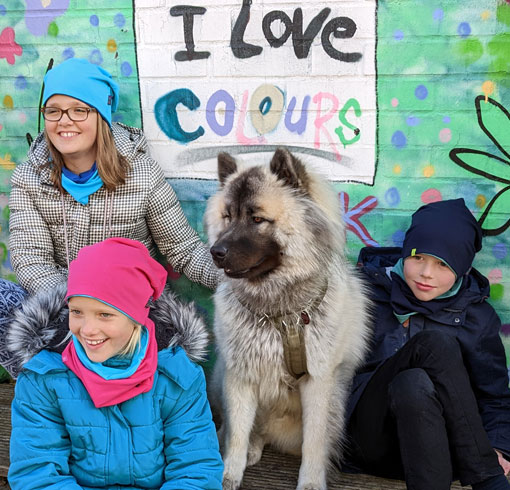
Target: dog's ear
[289, 169]
[226, 166]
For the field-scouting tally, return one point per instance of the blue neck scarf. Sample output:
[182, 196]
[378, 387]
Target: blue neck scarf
[116, 367]
[81, 186]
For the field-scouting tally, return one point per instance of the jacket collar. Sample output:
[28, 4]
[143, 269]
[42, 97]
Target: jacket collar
[375, 262]
[42, 323]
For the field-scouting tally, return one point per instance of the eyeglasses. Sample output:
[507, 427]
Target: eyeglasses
[76, 114]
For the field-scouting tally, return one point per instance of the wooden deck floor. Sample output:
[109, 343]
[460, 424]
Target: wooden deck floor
[274, 472]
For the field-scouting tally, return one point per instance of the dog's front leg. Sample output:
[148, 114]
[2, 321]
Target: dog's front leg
[241, 406]
[315, 400]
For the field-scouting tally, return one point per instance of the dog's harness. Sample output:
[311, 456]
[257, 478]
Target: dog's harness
[291, 326]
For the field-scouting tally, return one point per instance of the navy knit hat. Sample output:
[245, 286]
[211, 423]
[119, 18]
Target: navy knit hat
[447, 230]
[82, 80]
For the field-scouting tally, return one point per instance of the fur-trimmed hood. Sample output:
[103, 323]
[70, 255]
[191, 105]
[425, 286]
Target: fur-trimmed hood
[42, 323]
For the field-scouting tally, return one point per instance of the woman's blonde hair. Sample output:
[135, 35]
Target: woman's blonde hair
[112, 167]
[134, 342]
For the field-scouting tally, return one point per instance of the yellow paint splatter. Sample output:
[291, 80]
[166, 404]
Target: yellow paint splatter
[397, 169]
[6, 162]
[480, 201]
[8, 102]
[46, 3]
[428, 171]
[488, 89]
[485, 15]
[111, 46]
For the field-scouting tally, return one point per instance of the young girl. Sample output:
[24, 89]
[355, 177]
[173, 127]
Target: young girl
[111, 412]
[432, 401]
[87, 179]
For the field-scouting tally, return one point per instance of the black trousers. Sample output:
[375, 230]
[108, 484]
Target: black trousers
[418, 419]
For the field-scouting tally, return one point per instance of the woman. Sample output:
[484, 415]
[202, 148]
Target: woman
[87, 179]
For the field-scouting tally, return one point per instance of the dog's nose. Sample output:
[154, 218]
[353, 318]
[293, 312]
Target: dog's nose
[219, 252]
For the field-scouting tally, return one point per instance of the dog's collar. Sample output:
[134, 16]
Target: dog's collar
[291, 325]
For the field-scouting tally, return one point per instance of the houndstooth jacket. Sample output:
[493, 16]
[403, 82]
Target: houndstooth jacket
[145, 208]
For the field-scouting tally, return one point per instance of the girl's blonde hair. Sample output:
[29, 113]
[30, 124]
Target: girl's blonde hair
[112, 167]
[134, 342]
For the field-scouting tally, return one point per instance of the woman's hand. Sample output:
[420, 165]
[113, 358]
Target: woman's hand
[503, 462]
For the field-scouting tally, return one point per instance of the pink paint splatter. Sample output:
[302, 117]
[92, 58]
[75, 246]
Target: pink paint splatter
[445, 135]
[495, 276]
[431, 195]
[394, 102]
[8, 46]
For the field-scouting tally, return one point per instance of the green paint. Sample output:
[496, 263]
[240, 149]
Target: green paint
[503, 14]
[470, 50]
[498, 48]
[53, 29]
[497, 291]
[3, 251]
[342, 116]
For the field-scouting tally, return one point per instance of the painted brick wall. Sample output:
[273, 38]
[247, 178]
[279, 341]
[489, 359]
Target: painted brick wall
[432, 80]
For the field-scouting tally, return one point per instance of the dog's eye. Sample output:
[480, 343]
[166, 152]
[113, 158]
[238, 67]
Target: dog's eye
[258, 219]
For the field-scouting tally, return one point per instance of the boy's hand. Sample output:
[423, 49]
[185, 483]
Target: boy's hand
[503, 462]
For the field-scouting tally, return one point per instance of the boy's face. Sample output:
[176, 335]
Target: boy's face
[101, 330]
[427, 276]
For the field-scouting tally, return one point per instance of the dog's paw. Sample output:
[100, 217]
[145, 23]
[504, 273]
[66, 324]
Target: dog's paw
[230, 483]
[254, 454]
[310, 486]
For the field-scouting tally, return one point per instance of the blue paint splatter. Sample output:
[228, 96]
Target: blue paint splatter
[94, 20]
[3, 10]
[68, 53]
[464, 29]
[96, 57]
[165, 111]
[398, 35]
[499, 251]
[438, 14]
[20, 83]
[421, 92]
[119, 20]
[413, 121]
[399, 140]
[398, 238]
[125, 69]
[117, 118]
[446, 119]
[392, 197]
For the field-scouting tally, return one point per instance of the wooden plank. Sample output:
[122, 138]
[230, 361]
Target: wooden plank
[276, 471]
[6, 394]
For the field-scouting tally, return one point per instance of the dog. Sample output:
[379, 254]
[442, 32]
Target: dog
[291, 316]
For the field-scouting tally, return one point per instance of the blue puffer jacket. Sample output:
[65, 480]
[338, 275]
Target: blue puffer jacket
[164, 439]
[470, 319]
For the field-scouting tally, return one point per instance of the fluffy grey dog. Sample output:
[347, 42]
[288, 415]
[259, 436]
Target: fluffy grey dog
[291, 322]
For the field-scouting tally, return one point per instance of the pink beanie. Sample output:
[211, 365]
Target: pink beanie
[119, 272]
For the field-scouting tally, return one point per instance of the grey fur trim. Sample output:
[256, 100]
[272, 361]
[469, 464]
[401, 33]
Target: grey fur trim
[179, 324]
[42, 323]
[36, 323]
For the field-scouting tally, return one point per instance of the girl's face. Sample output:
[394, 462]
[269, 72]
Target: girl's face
[427, 276]
[75, 140]
[102, 330]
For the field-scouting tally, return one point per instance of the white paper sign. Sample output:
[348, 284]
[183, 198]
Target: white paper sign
[249, 76]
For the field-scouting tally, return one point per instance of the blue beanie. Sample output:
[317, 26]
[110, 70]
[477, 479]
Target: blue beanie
[82, 80]
[447, 230]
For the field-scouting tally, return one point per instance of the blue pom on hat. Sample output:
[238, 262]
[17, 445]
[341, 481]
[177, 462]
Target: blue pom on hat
[82, 80]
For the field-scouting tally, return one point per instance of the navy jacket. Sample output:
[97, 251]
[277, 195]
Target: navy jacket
[470, 319]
